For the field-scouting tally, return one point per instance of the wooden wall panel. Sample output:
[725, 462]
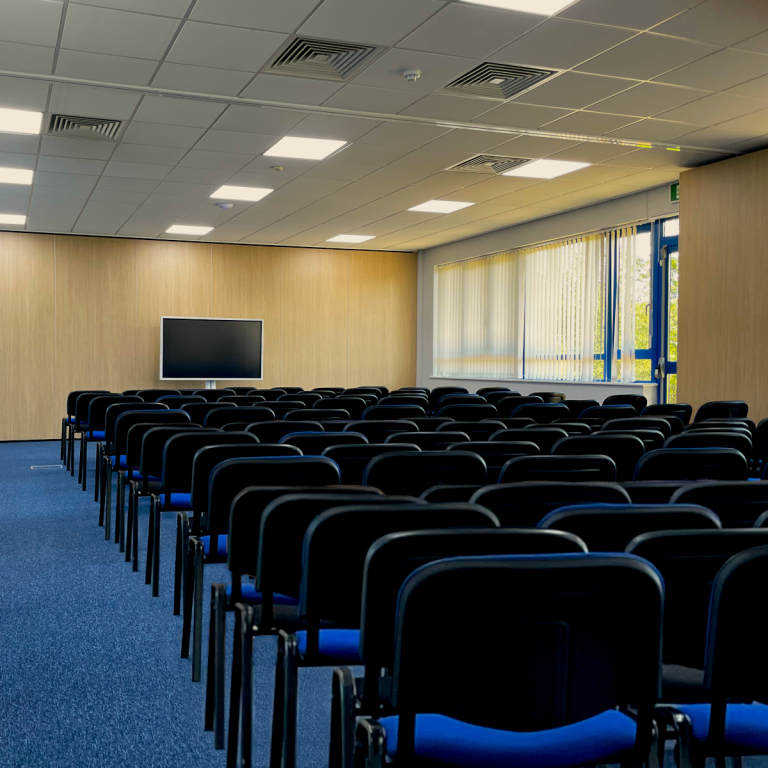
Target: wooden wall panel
[171, 279]
[315, 318]
[723, 317]
[246, 283]
[27, 350]
[95, 314]
[382, 319]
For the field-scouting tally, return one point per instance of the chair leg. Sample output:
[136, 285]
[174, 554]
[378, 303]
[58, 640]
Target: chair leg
[197, 618]
[120, 511]
[219, 651]
[246, 681]
[210, 686]
[97, 471]
[278, 709]
[182, 539]
[84, 466]
[291, 678]
[106, 490]
[235, 687]
[70, 441]
[156, 549]
[129, 525]
[134, 553]
[150, 541]
[189, 593]
[80, 459]
[341, 751]
[63, 436]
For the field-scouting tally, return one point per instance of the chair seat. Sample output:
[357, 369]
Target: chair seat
[336, 646]
[221, 545]
[96, 434]
[248, 594]
[119, 462]
[180, 502]
[604, 738]
[746, 726]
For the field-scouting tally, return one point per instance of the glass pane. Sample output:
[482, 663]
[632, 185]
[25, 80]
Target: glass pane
[643, 370]
[674, 261]
[643, 303]
[672, 388]
[671, 227]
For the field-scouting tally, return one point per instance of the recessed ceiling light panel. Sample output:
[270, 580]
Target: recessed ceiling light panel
[249, 194]
[304, 149]
[20, 121]
[180, 229]
[16, 176]
[440, 206]
[11, 218]
[546, 169]
[350, 238]
[541, 7]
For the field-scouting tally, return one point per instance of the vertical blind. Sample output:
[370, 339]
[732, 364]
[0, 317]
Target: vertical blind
[540, 312]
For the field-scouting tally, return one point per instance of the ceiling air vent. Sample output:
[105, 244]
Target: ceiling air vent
[67, 125]
[498, 81]
[322, 59]
[489, 164]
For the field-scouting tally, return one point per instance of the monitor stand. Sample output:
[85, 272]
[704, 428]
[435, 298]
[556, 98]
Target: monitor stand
[210, 384]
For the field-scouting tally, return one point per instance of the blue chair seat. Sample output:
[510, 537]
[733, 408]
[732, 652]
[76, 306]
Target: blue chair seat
[336, 646]
[249, 595]
[221, 546]
[72, 420]
[179, 501]
[96, 434]
[746, 726]
[604, 738]
[119, 462]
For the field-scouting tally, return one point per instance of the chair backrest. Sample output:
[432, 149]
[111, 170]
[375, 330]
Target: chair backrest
[334, 390]
[281, 407]
[459, 399]
[683, 411]
[722, 409]
[241, 390]
[72, 398]
[507, 405]
[449, 494]
[116, 410]
[272, 431]
[430, 423]
[638, 422]
[403, 399]
[177, 401]
[705, 438]
[625, 450]
[689, 562]
[307, 398]
[469, 412]
[477, 430]
[577, 407]
[495, 396]
[608, 412]
[269, 395]
[522, 505]
[384, 390]
[603, 610]
[242, 400]
[352, 459]
[324, 393]
[650, 492]
[97, 408]
[133, 391]
[430, 441]
[375, 391]
[134, 444]
[198, 411]
[438, 392]
[760, 440]
[611, 527]
[728, 423]
[544, 437]
[543, 413]
[483, 391]
[652, 438]
[549, 397]
[289, 390]
[221, 416]
[314, 443]
[638, 402]
[738, 504]
[153, 395]
[395, 556]
[153, 445]
[331, 425]
[409, 473]
[573, 427]
[675, 422]
[519, 422]
[692, 464]
[124, 422]
[354, 406]
[378, 431]
[212, 395]
[565, 469]
[392, 412]
[496, 454]
[317, 414]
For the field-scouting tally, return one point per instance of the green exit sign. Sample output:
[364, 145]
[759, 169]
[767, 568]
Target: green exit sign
[674, 192]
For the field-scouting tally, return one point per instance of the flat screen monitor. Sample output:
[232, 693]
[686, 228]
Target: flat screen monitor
[209, 348]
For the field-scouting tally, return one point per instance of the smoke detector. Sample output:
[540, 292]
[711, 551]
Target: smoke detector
[225, 206]
[412, 75]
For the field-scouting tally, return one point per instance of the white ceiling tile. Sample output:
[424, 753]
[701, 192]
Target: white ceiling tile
[398, 176]
[10, 142]
[589, 123]
[365, 99]
[333, 127]
[217, 161]
[283, 16]
[53, 215]
[296, 90]
[654, 130]
[173, 8]
[471, 142]
[141, 153]
[30, 21]
[101, 195]
[137, 171]
[758, 43]
[361, 153]
[14, 203]
[532, 146]
[649, 99]
[719, 22]
[574, 90]
[94, 149]
[79, 181]
[263, 180]
[755, 123]
[170, 111]
[158, 135]
[445, 107]
[103, 30]
[195, 191]
[104, 218]
[345, 171]
[211, 45]
[183, 77]
[165, 205]
[291, 168]
[429, 161]
[198, 176]
[13, 191]
[445, 183]
[522, 115]
[468, 30]
[436, 70]
[16, 160]
[717, 137]
[17, 57]
[232, 141]
[71, 165]
[561, 44]
[87, 101]
[591, 153]
[60, 193]
[755, 89]
[114, 183]
[110, 69]
[626, 13]
[647, 56]
[410, 135]
[23, 94]
[751, 145]
[276, 122]
[721, 70]
[714, 109]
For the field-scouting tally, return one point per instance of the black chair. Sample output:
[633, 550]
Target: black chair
[692, 464]
[289, 390]
[134, 391]
[577, 407]
[483, 391]
[722, 409]
[760, 440]
[379, 431]
[438, 392]
[652, 439]
[543, 413]
[198, 411]
[573, 427]
[638, 422]
[401, 399]
[675, 423]
[611, 527]
[335, 425]
[682, 411]
[477, 430]
[507, 405]
[242, 390]
[449, 494]
[737, 504]
[370, 395]
[550, 609]
[243, 400]
[219, 417]
[649, 492]
[638, 402]
[478, 412]
[563, 469]
[392, 412]
[510, 423]
[68, 422]
[335, 390]
[688, 562]
[409, 473]
[317, 414]
[307, 398]
[177, 401]
[314, 443]
[376, 390]
[153, 395]
[495, 396]
[352, 459]
[497, 454]
[281, 407]
[272, 431]
[701, 438]
[735, 668]
[430, 441]
[522, 505]
[625, 450]
[718, 423]
[354, 406]
[608, 412]
[459, 399]
[549, 397]
[212, 395]
[270, 395]
[430, 423]
[544, 437]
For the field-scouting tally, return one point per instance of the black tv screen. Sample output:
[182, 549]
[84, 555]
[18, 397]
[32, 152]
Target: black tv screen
[210, 348]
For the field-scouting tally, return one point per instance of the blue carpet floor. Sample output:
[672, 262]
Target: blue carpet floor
[90, 673]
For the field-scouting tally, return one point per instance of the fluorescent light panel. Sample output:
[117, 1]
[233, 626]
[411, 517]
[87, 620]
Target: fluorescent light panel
[541, 7]
[249, 194]
[440, 206]
[12, 218]
[16, 176]
[304, 149]
[20, 121]
[350, 238]
[180, 229]
[546, 169]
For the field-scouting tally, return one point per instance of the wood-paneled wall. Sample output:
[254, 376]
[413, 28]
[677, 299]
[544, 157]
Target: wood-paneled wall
[723, 311]
[84, 312]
